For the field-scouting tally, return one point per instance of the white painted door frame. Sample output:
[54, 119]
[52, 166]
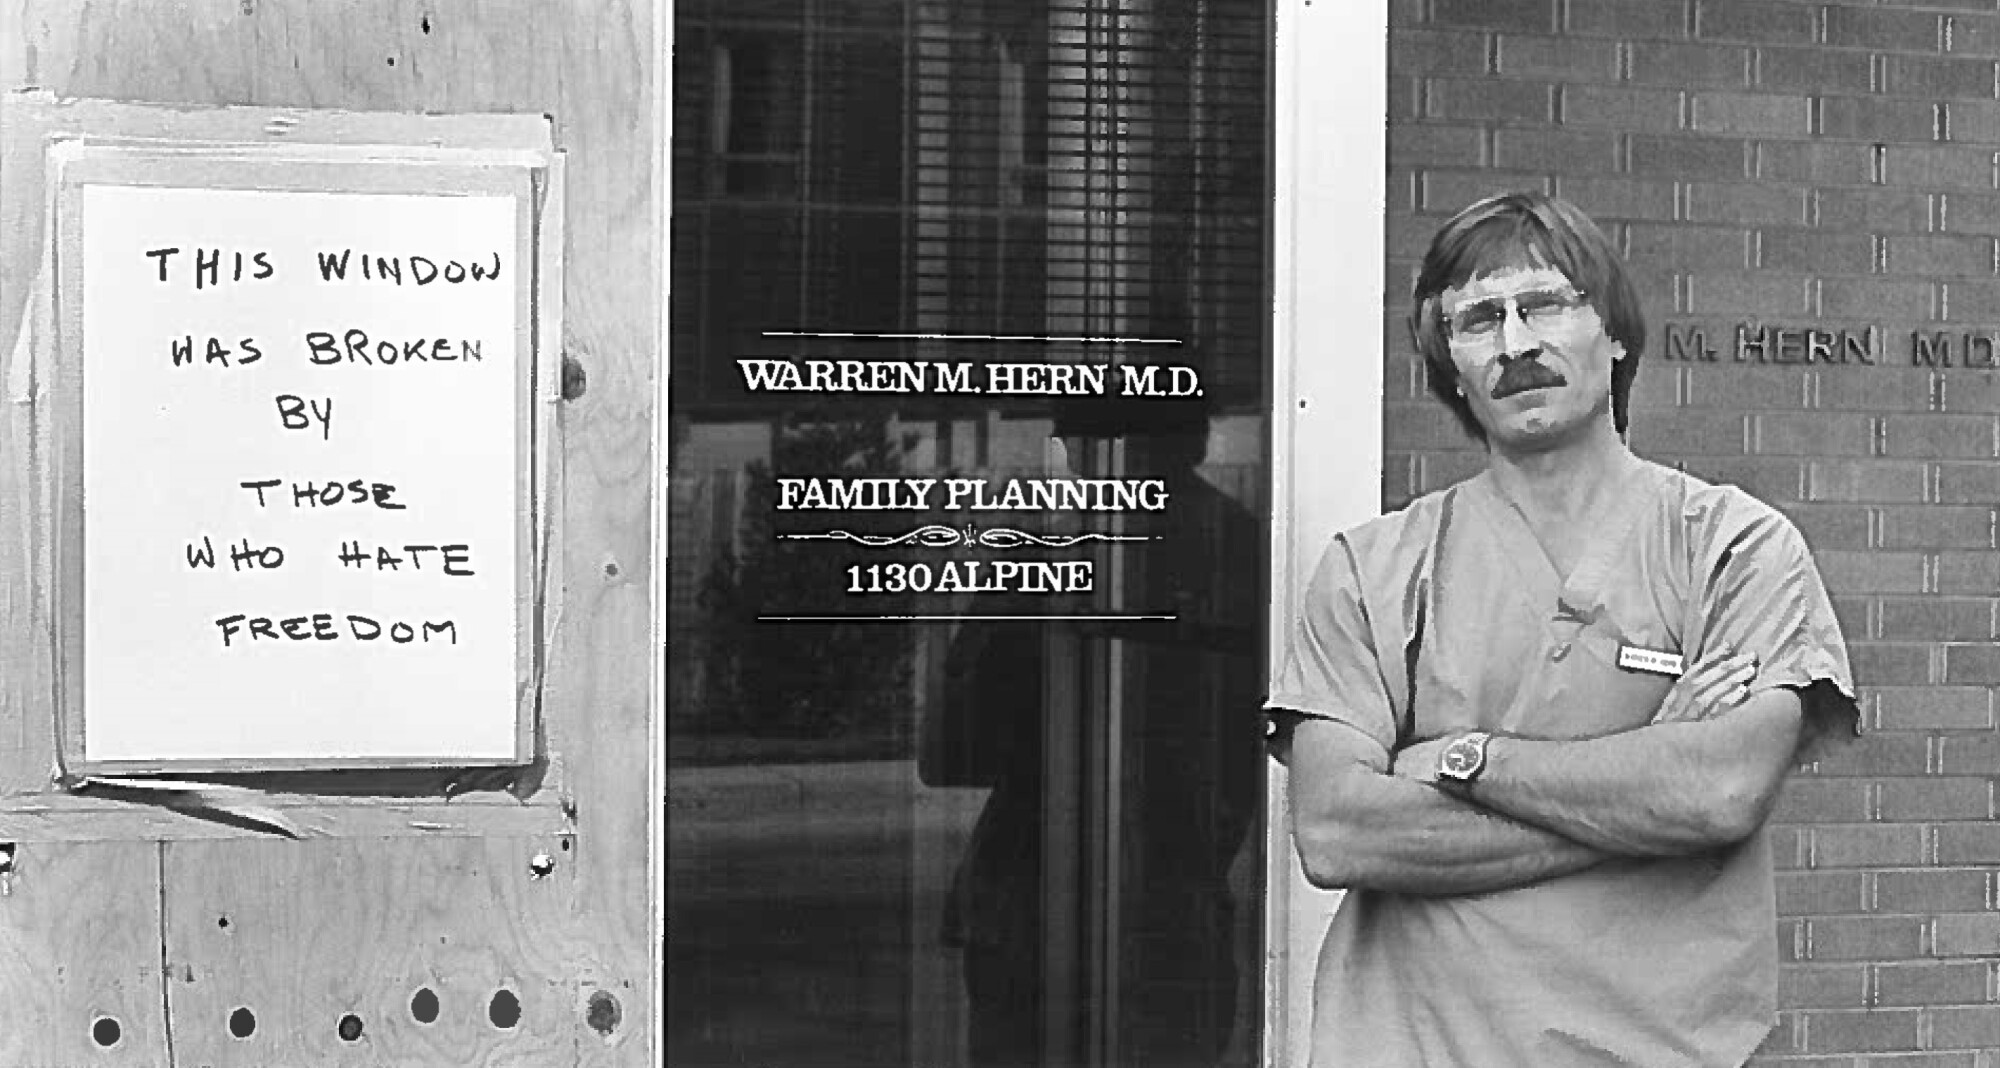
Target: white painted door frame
[1326, 422]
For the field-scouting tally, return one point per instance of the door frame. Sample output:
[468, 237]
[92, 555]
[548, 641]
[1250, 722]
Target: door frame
[1329, 160]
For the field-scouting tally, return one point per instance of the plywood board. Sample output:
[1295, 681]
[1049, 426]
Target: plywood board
[114, 814]
[383, 71]
[80, 956]
[466, 919]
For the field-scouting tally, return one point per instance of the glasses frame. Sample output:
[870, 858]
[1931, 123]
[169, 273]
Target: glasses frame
[1577, 300]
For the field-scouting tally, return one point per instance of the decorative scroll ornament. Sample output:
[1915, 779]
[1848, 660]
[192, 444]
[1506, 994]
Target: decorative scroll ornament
[939, 536]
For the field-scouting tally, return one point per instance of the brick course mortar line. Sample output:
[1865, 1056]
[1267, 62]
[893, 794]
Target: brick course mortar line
[1777, 165]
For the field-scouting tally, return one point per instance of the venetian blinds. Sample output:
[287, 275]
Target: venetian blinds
[1072, 168]
[1095, 168]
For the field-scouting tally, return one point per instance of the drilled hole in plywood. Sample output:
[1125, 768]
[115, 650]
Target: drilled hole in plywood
[424, 1006]
[222, 922]
[504, 1010]
[350, 1028]
[105, 1031]
[602, 1012]
[242, 1023]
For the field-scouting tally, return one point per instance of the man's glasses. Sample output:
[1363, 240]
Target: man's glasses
[1540, 310]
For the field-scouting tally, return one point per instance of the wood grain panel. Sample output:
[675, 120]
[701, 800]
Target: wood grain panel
[79, 942]
[302, 934]
[66, 818]
[588, 65]
[26, 700]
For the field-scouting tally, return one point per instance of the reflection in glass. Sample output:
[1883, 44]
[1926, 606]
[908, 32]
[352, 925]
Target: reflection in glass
[966, 843]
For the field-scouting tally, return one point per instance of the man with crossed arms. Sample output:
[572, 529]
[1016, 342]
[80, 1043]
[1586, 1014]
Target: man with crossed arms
[1535, 721]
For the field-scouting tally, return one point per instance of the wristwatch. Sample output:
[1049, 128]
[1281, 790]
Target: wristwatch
[1461, 761]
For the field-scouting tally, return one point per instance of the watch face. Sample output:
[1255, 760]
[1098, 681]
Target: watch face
[1462, 758]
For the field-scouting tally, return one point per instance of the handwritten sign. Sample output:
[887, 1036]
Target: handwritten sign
[303, 475]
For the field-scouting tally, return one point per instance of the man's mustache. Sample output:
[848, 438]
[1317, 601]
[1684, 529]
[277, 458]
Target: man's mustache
[1525, 372]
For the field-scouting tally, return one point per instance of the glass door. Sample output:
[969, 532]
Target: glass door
[952, 829]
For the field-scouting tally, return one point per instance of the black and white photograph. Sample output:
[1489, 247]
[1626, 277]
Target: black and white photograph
[979, 534]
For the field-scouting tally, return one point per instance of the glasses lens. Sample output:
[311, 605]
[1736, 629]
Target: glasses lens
[1477, 319]
[1538, 308]
[1541, 309]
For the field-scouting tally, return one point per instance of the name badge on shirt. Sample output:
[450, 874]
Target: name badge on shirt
[1635, 658]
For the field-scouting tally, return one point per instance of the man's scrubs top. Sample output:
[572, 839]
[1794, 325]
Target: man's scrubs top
[1448, 616]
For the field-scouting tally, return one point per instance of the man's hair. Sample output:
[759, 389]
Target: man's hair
[1525, 230]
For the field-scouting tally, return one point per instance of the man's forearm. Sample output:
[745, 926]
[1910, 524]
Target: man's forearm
[1406, 837]
[1667, 789]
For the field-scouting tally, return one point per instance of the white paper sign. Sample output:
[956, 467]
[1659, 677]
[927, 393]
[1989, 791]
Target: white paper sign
[301, 488]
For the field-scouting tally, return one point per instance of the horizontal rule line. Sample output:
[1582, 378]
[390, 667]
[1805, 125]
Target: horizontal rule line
[976, 337]
[895, 618]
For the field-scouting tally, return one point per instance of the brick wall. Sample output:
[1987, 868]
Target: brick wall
[1797, 186]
